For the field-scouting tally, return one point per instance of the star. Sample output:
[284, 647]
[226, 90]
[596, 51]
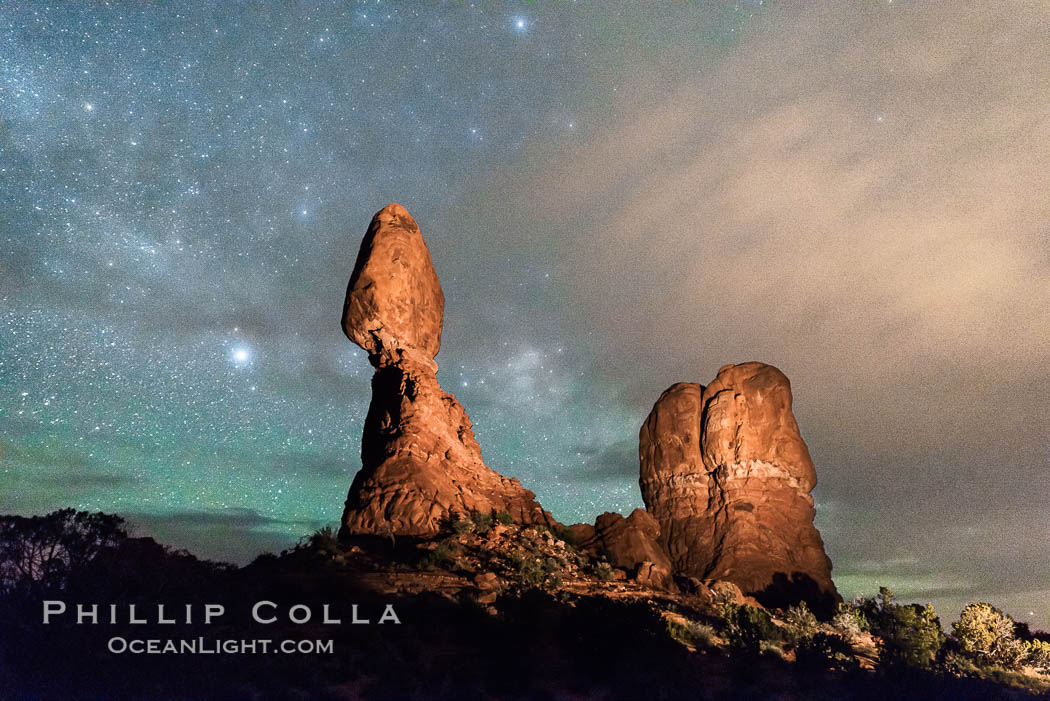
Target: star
[241, 356]
[225, 177]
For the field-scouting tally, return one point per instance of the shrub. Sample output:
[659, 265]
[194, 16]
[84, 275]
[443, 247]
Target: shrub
[849, 621]
[725, 605]
[909, 634]
[825, 651]
[958, 664]
[749, 627]
[603, 572]
[323, 540]
[535, 571]
[504, 517]
[692, 633]
[482, 522]
[987, 634]
[566, 535]
[531, 573]
[703, 634]
[1039, 655]
[679, 631]
[1017, 679]
[801, 623]
[443, 556]
[457, 523]
[387, 531]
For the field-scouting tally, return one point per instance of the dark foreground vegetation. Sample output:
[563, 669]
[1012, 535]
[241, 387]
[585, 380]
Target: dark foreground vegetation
[557, 626]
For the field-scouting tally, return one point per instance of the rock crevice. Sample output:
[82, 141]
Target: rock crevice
[726, 474]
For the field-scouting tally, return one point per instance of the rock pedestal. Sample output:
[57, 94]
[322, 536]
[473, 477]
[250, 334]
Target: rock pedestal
[420, 464]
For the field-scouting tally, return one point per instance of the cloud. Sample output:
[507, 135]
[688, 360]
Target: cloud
[895, 268]
[78, 481]
[234, 534]
[319, 465]
[858, 196]
[616, 462]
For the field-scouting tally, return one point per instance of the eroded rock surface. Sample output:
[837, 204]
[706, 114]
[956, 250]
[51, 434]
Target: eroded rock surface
[420, 462]
[632, 544]
[725, 473]
[394, 303]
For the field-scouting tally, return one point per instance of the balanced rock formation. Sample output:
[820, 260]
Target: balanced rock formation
[727, 476]
[420, 464]
[632, 544]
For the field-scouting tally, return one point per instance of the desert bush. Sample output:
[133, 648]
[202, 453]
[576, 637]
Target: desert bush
[703, 634]
[1016, 678]
[849, 621]
[603, 571]
[725, 605]
[456, 522]
[532, 572]
[566, 535]
[504, 517]
[987, 634]
[482, 522]
[908, 634]
[958, 664]
[323, 540]
[441, 557]
[694, 633]
[1038, 655]
[536, 571]
[825, 651]
[749, 627]
[801, 624]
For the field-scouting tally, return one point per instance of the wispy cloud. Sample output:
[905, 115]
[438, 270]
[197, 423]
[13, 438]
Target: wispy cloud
[235, 534]
[856, 194]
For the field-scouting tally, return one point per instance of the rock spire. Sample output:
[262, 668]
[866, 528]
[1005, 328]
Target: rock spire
[420, 463]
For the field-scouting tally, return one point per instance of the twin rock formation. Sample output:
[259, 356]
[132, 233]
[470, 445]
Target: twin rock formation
[725, 475]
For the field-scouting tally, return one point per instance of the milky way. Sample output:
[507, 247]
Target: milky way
[184, 191]
[615, 198]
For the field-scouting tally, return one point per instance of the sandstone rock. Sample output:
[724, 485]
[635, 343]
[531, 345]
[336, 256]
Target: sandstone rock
[692, 585]
[652, 575]
[581, 533]
[394, 301]
[725, 590]
[420, 462]
[627, 542]
[486, 580]
[727, 476]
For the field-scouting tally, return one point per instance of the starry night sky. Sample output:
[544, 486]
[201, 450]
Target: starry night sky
[616, 197]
